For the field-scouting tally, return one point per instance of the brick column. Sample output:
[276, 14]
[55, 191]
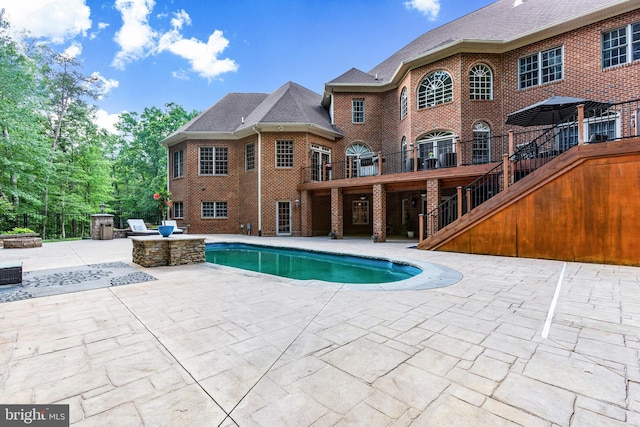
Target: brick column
[306, 220]
[380, 212]
[433, 200]
[337, 212]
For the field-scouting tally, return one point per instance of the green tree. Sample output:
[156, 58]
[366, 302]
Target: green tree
[23, 148]
[67, 89]
[141, 165]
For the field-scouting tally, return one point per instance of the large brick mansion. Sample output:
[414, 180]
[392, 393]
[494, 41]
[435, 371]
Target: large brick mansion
[295, 162]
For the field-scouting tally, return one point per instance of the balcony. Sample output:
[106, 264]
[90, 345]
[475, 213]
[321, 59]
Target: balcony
[617, 121]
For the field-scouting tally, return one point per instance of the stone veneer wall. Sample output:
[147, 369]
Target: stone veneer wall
[155, 252]
[23, 240]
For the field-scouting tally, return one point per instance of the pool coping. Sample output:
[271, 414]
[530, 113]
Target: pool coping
[433, 275]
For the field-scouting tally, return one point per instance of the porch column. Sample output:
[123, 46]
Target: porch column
[337, 212]
[306, 216]
[433, 200]
[380, 212]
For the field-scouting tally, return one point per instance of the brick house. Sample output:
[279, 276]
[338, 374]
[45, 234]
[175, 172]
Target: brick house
[378, 148]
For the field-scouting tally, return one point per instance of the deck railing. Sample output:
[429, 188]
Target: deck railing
[614, 122]
[532, 149]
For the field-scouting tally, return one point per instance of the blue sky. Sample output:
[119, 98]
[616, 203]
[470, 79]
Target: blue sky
[193, 52]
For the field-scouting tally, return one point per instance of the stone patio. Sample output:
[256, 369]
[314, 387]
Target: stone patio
[206, 345]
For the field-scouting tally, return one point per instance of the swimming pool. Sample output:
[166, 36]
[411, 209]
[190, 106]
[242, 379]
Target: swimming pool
[309, 265]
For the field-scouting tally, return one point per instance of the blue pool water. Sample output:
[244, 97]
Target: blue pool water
[308, 265]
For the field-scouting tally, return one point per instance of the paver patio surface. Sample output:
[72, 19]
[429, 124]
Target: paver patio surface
[206, 345]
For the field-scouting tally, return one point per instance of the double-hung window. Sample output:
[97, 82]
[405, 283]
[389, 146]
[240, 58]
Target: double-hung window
[250, 156]
[540, 68]
[357, 110]
[178, 163]
[214, 209]
[621, 46]
[284, 154]
[178, 210]
[214, 161]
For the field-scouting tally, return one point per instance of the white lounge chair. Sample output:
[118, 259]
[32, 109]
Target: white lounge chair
[139, 228]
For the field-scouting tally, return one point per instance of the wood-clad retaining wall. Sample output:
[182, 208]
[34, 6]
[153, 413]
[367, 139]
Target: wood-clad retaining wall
[584, 206]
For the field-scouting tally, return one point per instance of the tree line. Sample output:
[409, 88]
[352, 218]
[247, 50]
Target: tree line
[53, 156]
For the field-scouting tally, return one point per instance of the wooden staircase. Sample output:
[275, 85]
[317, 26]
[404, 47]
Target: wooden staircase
[584, 205]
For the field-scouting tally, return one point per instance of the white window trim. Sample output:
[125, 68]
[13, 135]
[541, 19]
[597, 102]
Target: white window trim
[404, 103]
[490, 75]
[215, 148]
[293, 154]
[539, 70]
[215, 203]
[434, 77]
[353, 111]
[629, 48]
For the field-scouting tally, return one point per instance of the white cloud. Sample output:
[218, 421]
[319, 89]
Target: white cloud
[429, 8]
[180, 75]
[101, 26]
[203, 57]
[73, 51]
[53, 20]
[107, 121]
[135, 37]
[106, 85]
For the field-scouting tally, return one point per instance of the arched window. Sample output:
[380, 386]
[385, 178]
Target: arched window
[436, 149]
[403, 103]
[361, 161]
[436, 88]
[481, 143]
[405, 154]
[480, 83]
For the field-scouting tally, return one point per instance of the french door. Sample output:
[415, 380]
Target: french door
[283, 218]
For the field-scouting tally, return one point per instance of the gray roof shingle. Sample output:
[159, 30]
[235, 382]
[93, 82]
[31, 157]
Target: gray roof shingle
[499, 22]
[291, 104]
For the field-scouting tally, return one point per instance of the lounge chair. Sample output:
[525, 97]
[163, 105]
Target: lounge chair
[139, 228]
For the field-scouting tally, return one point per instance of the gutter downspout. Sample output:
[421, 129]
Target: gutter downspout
[256, 130]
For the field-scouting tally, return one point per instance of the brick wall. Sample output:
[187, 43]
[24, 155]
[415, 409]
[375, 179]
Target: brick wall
[239, 188]
[383, 131]
[583, 77]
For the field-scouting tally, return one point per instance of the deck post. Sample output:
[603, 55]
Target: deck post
[581, 124]
[509, 178]
[420, 227]
[468, 200]
[415, 157]
[505, 171]
[459, 190]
